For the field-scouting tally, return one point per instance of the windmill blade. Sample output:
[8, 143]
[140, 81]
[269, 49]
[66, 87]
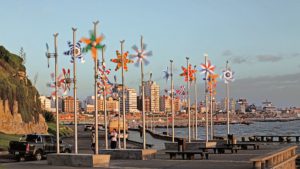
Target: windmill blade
[137, 63]
[135, 48]
[47, 47]
[144, 47]
[146, 61]
[148, 53]
[132, 56]
[115, 78]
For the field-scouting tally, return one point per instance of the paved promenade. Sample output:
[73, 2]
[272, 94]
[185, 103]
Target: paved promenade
[216, 161]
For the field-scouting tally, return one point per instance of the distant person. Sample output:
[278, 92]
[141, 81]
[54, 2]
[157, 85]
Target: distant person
[93, 139]
[113, 139]
[141, 131]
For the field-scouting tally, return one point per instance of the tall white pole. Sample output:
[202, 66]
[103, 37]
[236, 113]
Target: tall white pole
[206, 104]
[56, 93]
[123, 97]
[211, 115]
[75, 91]
[104, 102]
[196, 107]
[172, 102]
[188, 99]
[143, 98]
[227, 106]
[96, 95]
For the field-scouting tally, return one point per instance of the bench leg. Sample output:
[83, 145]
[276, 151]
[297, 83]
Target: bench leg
[206, 156]
[182, 156]
[172, 156]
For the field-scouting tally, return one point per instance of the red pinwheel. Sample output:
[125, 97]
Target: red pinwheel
[119, 59]
[188, 73]
[61, 88]
[212, 83]
[66, 80]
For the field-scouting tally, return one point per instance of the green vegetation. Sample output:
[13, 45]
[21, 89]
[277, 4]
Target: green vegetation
[64, 131]
[48, 116]
[5, 139]
[15, 86]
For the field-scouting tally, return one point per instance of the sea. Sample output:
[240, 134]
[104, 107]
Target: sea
[287, 128]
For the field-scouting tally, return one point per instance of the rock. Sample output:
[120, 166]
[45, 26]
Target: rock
[12, 123]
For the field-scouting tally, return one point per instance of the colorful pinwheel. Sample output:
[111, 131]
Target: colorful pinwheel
[78, 53]
[180, 92]
[188, 73]
[141, 55]
[167, 74]
[93, 44]
[119, 59]
[212, 83]
[104, 88]
[66, 80]
[61, 85]
[228, 76]
[207, 68]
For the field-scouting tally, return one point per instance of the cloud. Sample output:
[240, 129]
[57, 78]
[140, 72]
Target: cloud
[295, 55]
[268, 58]
[281, 89]
[227, 53]
[239, 60]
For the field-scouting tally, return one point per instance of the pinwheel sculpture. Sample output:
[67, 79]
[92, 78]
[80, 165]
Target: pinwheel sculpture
[104, 89]
[63, 83]
[188, 73]
[141, 58]
[227, 76]
[212, 83]
[77, 54]
[180, 92]
[119, 60]
[207, 68]
[167, 74]
[93, 44]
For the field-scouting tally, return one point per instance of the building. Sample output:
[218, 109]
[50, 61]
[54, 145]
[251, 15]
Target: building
[268, 107]
[147, 103]
[165, 103]
[89, 108]
[152, 92]
[131, 102]
[242, 104]
[68, 105]
[177, 104]
[45, 103]
[232, 105]
[112, 105]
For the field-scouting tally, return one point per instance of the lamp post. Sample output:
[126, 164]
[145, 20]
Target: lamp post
[55, 56]
[206, 104]
[196, 107]
[75, 91]
[96, 95]
[188, 99]
[123, 98]
[172, 101]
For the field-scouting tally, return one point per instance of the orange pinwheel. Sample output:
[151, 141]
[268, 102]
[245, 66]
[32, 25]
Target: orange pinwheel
[119, 59]
[93, 44]
[188, 73]
[212, 83]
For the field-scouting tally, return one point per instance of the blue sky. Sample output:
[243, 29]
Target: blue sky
[259, 38]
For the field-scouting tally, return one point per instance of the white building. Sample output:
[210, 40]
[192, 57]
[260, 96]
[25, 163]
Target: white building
[152, 91]
[45, 103]
[131, 102]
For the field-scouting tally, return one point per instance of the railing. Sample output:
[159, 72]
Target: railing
[284, 158]
[274, 138]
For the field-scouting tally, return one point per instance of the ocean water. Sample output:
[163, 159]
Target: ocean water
[291, 128]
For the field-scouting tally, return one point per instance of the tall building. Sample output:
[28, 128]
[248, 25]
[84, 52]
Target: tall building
[152, 92]
[165, 103]
[68, 105]
[242, 104]
[232, 104]
[45, 103]
[130, 102]
[177, 104]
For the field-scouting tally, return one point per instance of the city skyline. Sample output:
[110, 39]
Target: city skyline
[259, 42]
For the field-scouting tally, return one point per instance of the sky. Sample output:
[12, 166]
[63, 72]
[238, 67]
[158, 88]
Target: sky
[259, 38]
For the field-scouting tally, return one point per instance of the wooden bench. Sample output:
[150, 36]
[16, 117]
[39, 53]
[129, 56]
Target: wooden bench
[244, 146]
[190, 155]
[220, 149]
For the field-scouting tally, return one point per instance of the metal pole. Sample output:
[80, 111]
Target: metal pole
[75, 90]
[211, 116]
[96, 96]
[196, 107]
[166, 116]
[143, 99]
[172, 102]
[227, 107]
[56, 96]
[104, 102]
[123, 97]
[206, 105]
[188, 98]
